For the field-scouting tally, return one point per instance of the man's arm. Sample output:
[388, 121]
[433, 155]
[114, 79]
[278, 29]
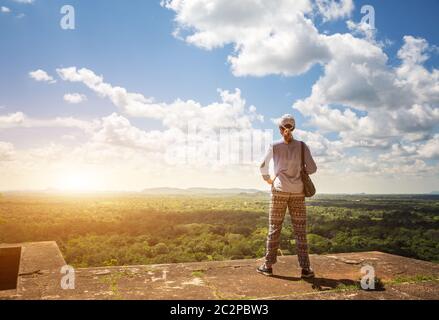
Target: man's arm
[310, 165]
[265, 165]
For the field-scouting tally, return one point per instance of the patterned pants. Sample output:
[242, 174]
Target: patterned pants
[280, 201]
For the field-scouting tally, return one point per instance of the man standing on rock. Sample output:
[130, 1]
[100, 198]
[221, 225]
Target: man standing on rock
[287, 192]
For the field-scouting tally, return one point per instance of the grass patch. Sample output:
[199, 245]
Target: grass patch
[198, 273]
[413, 279]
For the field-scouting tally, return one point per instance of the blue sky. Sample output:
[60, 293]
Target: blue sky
[132, 46]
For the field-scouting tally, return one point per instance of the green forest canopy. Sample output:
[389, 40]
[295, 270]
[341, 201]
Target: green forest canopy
[125, 229]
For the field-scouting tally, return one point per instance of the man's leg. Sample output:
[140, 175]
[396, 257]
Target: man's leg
[297, 210]
[278, 207]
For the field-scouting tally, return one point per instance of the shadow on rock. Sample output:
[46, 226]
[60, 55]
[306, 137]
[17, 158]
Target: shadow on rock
[322, 284]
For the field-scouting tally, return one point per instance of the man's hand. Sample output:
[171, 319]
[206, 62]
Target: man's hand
[268, 180]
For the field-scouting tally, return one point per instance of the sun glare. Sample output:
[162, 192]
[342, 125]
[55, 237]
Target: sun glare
[77, 182]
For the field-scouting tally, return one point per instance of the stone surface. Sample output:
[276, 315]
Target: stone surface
[337, 277]
[39, 269]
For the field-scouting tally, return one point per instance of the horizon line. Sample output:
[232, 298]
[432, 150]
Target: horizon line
[54, 190]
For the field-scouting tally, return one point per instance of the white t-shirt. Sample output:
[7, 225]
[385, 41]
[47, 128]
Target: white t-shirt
[287, 165]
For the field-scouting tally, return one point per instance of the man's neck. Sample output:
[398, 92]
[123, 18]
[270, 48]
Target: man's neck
[288, 141]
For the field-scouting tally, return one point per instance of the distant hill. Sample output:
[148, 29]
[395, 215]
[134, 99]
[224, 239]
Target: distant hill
[434, 192]
[195, 191]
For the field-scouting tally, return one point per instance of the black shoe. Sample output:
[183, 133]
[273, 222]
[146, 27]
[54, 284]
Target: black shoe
[307, 273]
[264, 270]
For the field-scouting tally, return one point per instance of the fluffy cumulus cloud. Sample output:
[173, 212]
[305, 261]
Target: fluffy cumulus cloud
[269, 37]
[231, 112]
[4, 9]
[192, 132]
[372, 118]
[74, 98]
[430, 149]
[370, 104]
[333, 10]
[124, 156]
[117, 130]
[191, 138]
[41, 75]
[400, 102]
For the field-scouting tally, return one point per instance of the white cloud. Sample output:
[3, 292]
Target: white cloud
[333, 10]
[24, 1]
[414, 51]
[403, 100]
[41, 75]
[385, 115]
[13, 119]
[407, 152]
[268, 37]
[20, 120]
[5, 9]
[123, 152]
[368, 103]
[117, 130]
[75, 98]
[362, 29]
[230, 112]
[272, 40]
[7, 151]
[430, 150]
[134, 104]
[328, 154]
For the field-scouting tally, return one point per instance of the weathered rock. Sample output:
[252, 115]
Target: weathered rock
[337, 277]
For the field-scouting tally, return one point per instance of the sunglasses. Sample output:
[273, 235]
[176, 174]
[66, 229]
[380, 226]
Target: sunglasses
[287, 127]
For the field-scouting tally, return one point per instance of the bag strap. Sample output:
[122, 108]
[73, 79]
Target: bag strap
[302, 156]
